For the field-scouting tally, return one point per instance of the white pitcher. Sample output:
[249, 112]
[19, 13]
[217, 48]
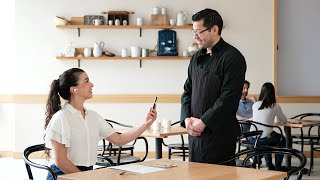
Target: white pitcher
[97, 49]
[181, 17]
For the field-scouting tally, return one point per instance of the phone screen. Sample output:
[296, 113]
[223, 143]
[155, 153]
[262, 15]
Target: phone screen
[154, 102]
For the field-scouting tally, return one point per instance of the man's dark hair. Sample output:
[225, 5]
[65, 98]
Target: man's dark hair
[210, 18]
[247, 82]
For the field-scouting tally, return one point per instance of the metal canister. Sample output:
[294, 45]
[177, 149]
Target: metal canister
[145, 52]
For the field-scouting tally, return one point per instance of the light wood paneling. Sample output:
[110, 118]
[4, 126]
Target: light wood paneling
[136, 98]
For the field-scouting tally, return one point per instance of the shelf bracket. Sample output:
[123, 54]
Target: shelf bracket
[78, 32]
[140, 63]
[140, 32]
[78, 63]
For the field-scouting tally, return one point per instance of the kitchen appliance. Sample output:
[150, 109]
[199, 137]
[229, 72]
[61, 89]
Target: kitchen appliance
[167, 43]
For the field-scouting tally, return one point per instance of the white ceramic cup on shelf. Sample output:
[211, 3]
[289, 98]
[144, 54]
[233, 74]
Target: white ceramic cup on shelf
[139, 21]
[135, 51]
[124, 52]
[97, 22]
[172, 22]
[87, 52]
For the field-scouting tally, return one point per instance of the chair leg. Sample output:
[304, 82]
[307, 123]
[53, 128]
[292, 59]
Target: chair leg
[311, 158]
[29, 171]
[169, 153]
[184, 155]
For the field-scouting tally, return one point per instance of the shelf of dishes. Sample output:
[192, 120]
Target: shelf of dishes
[125, 58]
[121, 27]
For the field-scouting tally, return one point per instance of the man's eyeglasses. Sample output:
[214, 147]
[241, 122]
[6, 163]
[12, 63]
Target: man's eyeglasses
[198, 33]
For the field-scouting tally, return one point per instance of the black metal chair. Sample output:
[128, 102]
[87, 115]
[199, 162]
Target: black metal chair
[303, 138]
[117, 157]
[244, 142]
[28, 162]
[180, 149]
[111, 148]
[248, 144]
[307, 139]
[250, 153]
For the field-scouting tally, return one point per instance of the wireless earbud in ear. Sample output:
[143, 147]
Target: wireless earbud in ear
[75, 90]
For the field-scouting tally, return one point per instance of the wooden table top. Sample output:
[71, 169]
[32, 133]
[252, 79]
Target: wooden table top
[184, 170]
[165, 132]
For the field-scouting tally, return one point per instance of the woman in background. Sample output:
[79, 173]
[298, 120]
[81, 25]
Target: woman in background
[264, 111]
[73, 131]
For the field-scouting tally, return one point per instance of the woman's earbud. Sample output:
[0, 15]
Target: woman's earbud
[75, 90]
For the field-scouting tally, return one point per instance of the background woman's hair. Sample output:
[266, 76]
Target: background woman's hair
[60, 87]
[210, 18]
[267, 96]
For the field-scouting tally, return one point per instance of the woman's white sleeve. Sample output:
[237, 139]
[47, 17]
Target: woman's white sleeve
[105, 129]
[280, 115]
[58, 130]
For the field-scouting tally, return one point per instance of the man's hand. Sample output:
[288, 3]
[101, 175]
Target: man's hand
[252, 98]
[193, 131]
[198, 124]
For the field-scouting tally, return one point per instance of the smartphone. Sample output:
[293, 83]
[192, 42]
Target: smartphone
[154, 102]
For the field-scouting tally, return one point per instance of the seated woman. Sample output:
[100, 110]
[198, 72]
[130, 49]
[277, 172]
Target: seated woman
[73, 131]
[264, 111]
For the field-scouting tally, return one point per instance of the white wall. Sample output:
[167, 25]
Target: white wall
[248, 26]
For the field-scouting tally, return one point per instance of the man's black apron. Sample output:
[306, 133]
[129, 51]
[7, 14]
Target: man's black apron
[210, 147]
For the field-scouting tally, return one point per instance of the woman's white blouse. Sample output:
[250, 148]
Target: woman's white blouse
[266, 116]
[80, 136]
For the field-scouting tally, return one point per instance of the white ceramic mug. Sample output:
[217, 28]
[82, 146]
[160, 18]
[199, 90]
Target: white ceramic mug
[135, 51]
[172, 22]
[156, 126]
[87, 52]
[124, 52]
[166, 124]
[185, 53]
[110, 22]
[139, 21]
[97, 22]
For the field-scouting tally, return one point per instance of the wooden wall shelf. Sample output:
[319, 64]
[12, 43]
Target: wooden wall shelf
[121, 27]
[126, 58]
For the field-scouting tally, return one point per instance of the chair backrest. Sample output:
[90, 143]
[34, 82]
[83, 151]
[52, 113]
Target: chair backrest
[271, 126]
[181, 136]
[257, 134]
[28, 162]
[272, 150]
[118, 155]
[303, 115]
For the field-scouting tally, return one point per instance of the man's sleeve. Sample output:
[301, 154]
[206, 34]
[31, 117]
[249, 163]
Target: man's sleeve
[186, 97]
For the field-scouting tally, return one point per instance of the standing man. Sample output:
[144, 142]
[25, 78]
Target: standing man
[211, 92]
[245, 105]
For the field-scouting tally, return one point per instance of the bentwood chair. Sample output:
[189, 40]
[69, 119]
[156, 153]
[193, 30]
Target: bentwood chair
[111, 148]
[29, 162]
[310, 139]
[118, 157]
[179, 149]
[272, 150]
